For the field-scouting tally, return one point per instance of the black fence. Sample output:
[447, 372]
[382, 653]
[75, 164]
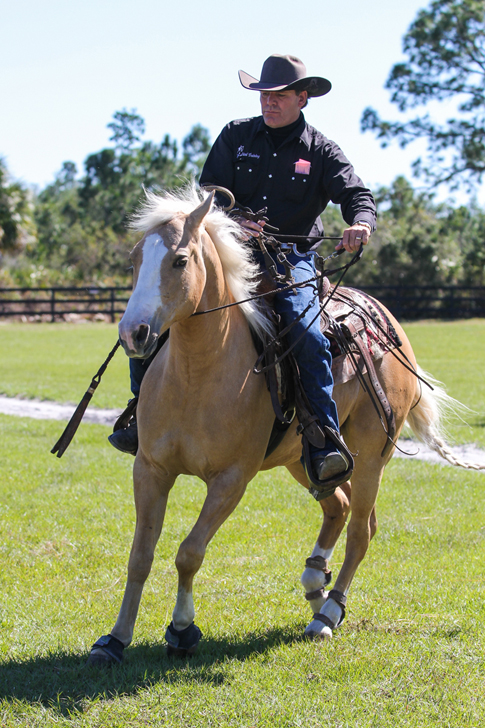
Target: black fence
[56, 304]
[407, 303]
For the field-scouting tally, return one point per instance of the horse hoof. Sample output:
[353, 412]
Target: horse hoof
[180, 652]
[98, 658]
[108, 650]
[317, 633]
[182, 642]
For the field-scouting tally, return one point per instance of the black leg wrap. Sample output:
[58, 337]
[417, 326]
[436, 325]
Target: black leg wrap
[111, 646]
[341, 600]
[323, 618]
[182, 642]
[315, 594]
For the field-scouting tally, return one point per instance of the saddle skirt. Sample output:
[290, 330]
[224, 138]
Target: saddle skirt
[358, 314]
[360, 333]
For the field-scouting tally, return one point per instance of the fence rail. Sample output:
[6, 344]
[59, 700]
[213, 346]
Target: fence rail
[410, 303]
[405, 302]
[58, 302]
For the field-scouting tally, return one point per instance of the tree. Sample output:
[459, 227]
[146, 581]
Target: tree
[196, 146]
[83, 223]
[126, 128]
[445, 48]
[16, 224]
[418, 242]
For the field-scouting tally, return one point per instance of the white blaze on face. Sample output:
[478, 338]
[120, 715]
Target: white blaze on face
[145, 299]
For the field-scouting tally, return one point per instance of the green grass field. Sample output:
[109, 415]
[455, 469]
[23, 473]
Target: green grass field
[410, 653]
[56, 362]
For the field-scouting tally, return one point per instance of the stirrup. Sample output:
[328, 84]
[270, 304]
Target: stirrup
[324, 488]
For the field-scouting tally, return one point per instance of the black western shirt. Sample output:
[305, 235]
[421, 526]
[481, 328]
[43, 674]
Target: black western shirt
[295, 180]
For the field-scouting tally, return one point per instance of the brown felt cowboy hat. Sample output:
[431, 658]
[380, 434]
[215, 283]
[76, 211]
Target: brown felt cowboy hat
[281, 73]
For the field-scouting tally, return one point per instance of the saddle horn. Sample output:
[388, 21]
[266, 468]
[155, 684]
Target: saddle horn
[224, 191]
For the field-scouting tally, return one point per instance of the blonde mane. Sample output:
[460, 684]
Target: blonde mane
[240, 272]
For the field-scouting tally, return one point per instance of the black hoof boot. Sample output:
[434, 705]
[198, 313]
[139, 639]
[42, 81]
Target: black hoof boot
[183, 642]
[106, 651]
[126, 439]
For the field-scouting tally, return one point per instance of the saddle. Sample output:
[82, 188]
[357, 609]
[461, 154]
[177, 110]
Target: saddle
[360, 333]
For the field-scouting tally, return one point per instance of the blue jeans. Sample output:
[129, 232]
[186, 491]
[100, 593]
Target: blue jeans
[312, 351]
[138, 368]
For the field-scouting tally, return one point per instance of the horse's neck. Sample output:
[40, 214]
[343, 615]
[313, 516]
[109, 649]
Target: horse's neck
[204, 340]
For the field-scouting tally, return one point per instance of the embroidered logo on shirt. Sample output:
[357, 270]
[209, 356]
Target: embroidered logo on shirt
[302, 167]
[241, 153]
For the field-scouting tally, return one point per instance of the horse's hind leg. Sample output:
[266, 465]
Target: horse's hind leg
[317, 574]
[151, 492]
[361, 528]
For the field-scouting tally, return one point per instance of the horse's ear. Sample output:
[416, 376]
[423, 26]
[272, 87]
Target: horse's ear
[197, 215]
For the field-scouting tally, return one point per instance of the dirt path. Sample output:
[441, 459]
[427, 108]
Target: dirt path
[53, 411]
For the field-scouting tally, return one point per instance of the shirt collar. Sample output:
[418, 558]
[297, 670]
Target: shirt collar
[301, 131]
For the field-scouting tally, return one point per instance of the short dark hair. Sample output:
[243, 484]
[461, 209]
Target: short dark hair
[298, 88]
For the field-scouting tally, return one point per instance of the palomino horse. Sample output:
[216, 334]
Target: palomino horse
[203, 412]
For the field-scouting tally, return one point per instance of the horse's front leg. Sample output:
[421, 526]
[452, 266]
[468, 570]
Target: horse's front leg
[224, 492]
[151, 490]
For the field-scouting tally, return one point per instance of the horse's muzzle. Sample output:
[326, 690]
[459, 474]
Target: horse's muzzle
[139, 343]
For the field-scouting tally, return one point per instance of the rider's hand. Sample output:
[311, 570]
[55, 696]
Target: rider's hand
[354, 236]
[250, 229]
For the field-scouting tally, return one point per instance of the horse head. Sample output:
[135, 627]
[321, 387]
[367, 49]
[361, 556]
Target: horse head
[168, 280]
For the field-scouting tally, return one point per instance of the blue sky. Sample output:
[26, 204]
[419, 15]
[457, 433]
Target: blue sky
[67, 66]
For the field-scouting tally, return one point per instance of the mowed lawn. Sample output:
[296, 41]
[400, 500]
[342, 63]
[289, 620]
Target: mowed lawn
[410, 653]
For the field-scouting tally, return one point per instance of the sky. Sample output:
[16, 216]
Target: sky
[66, 67]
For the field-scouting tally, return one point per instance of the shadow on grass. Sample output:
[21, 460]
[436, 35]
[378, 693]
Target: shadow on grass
[63, 683]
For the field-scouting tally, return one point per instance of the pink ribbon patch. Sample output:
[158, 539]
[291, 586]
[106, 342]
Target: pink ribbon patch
[302, 167]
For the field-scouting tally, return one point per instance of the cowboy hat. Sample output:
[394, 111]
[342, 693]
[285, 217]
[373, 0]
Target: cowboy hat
[281, 73]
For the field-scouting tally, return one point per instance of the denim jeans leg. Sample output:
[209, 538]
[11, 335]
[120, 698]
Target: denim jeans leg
[312, 351]
[137, 372]
[138, 368]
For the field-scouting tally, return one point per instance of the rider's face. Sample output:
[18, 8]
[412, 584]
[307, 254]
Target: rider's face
[280, 108]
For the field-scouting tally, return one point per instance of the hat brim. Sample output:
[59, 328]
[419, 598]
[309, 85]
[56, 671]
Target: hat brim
[319, 86]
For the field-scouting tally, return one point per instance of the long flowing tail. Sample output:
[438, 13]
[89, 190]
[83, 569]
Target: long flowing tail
[427, 418]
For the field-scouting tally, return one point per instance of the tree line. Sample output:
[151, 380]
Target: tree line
[75, 230]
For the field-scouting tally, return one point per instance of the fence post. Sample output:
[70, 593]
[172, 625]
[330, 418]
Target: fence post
[112, 305]
[53, 305]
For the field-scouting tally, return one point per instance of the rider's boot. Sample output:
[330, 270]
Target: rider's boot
[126, 439]
[328, 465]
[125, 431]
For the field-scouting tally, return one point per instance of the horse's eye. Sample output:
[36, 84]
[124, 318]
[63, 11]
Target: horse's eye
[180, 262]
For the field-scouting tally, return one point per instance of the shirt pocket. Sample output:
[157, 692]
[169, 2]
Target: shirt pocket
[296, 186]
[245, 176]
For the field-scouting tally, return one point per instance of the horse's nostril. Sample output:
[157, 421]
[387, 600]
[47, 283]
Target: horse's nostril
[142, 334]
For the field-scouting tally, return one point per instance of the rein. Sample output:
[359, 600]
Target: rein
[293, 286]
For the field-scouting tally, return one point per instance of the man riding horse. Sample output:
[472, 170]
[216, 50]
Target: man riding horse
[279, 162]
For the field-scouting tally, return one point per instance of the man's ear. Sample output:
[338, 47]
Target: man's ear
[302, 99]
